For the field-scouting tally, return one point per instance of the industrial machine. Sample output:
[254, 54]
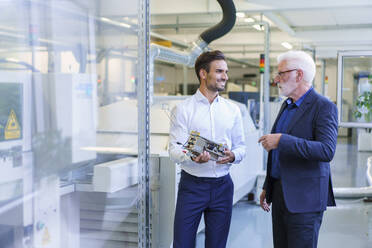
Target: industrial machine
[35, 153]
[15, 159]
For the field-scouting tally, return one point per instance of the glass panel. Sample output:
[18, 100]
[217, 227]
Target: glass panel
[356, 93]
[68, 123]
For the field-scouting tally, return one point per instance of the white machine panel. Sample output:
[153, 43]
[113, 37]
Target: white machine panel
[115, 175]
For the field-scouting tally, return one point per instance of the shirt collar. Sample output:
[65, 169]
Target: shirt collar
[300, 100]
[200, 97]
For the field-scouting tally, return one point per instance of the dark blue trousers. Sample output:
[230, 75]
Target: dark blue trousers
[197, 195]
[293, 230]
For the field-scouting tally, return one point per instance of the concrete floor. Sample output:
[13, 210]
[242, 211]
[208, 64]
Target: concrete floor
[349, 225]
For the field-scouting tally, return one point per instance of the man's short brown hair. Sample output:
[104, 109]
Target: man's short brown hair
[205, 59]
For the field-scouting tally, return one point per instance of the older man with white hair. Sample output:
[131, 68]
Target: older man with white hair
[301, 145]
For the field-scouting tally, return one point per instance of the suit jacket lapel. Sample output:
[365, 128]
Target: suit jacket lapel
[302, 109]
[284, 105]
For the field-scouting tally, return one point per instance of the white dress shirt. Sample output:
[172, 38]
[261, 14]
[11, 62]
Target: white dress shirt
[219, 121]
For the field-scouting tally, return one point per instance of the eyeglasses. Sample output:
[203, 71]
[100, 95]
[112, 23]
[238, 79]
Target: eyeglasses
[281, 73]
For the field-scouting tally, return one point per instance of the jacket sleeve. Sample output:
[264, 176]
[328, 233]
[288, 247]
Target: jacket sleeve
[323, 147]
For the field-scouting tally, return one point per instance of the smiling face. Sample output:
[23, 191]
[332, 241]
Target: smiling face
[215, 80]
[286, 79]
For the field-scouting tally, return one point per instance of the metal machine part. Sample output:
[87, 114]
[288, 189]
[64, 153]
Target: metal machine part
[360, 192]
[197, 144]
[224, 26]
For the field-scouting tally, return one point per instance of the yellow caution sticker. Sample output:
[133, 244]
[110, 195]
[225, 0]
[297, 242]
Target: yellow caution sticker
[12, 129]
[46, 237]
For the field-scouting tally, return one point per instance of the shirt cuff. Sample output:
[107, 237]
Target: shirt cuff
[238, 157]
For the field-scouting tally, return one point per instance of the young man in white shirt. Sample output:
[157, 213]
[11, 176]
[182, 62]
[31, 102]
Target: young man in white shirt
[205, 185]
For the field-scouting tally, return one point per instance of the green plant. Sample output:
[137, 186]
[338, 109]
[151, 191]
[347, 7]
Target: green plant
[364, 107]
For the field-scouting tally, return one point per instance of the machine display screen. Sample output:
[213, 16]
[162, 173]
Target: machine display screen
[11, 110]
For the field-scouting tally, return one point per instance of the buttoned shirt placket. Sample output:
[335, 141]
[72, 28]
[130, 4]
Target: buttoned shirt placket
[212, 127]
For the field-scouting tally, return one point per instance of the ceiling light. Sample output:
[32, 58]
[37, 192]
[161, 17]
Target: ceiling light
[109, 21]
[104, 19]
[240, 14]
[12, 60]
[258, 27]
[124, 25]
[249, 19]
[287, 45]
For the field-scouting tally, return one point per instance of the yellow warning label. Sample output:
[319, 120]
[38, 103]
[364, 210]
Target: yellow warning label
[12, 129]
[46, 237]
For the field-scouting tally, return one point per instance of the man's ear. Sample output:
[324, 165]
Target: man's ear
[300, 75]
[203, 74]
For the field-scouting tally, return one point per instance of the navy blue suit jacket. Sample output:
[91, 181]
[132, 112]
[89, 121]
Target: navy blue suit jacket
[305, 150]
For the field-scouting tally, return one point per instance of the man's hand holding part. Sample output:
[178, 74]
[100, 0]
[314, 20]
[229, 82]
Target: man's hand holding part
[228, 158]
[202, 158]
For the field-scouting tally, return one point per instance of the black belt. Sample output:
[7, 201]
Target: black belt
[203, 179]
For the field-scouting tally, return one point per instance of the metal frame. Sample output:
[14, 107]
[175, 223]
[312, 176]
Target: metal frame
[340, 71]
[143, 94]
[324, 65]
[266, 85]
[264, 124]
